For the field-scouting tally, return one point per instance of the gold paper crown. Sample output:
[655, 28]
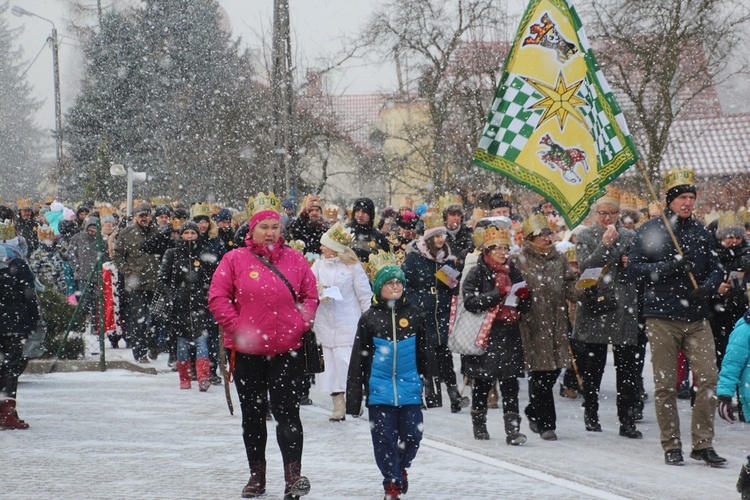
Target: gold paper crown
[340, 234]
[743, 216]
[533, 223]
[23, 204]
[215, 207]
[478, 214]
[317, 201]
[642, 204]
[200, 209]
[262, 202]
[612, 196]
[297, 245]
[7, 230]
[406, 202]
[106, 211]
[49, 199]
[447, 200]
[160, 200]
[491, 236]
[240, 217]
[711, 216]
[45, 232]
[331, 212]
[679, 177]
[727, 219]
[432, 220]
[654, 209]
[628, 201]
[378, 261]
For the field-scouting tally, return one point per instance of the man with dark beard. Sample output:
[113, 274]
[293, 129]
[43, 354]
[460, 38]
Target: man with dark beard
[367, 239]
[310, 225]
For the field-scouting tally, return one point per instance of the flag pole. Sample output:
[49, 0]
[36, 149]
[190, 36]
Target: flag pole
[655, 198]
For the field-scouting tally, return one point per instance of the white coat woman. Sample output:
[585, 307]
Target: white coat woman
[344, 295]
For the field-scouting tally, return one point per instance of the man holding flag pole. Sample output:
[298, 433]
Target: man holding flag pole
[555, 127]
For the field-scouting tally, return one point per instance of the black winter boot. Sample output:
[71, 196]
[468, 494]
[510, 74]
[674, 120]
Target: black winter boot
[743, 482]
[479, 423]
[455, 398]
[296, 485]
[513, 434]
[256, 486]
[591, 421]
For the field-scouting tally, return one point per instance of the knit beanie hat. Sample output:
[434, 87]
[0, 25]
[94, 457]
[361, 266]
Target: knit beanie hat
[678, 190]
[224, 215]
[365, 205]
[189, 225]
[386, 274]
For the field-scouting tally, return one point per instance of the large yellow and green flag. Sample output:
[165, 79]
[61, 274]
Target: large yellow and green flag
[554, 125]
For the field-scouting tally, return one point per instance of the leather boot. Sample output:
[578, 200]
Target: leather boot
[455, 398]
[392, 491]
[513, 434]
[256, 486]
[8, 418]
[183, 369]
[339, 407]
[591, 420]
[296, 485]
[479, 424]
[203, 371]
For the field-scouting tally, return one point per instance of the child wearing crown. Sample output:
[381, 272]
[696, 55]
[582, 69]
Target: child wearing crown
[389, 358]
[344, 295]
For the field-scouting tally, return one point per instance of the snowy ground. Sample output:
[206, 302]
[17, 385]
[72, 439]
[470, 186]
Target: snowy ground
[120, 434]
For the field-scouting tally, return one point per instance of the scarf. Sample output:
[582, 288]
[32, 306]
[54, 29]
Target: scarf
[270, 252]
[542, 250]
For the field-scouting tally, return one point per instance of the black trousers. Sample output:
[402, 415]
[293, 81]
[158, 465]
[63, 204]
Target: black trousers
[444, 359]
[139, 332]
[508, 394]
[280, 376]
[11, 353]
[626, 366]
[541, 407]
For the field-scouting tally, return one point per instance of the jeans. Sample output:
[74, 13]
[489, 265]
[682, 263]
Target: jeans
[183, 348]
[396, 434]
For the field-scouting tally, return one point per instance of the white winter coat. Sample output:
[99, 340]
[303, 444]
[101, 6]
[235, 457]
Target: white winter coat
[336, 320]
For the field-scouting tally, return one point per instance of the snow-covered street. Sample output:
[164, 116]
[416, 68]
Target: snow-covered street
[120, 434]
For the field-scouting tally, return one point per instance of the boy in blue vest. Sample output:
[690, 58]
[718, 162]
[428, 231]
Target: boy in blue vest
[388, 360]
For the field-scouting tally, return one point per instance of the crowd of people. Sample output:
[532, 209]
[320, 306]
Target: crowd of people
[382, 295]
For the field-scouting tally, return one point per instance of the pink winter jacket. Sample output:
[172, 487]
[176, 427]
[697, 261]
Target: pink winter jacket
[254, 306]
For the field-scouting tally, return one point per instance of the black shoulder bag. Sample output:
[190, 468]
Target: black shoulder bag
[311, 350]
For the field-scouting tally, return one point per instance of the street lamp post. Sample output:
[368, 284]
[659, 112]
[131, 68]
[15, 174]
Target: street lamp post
[118, 170]
[52, 39]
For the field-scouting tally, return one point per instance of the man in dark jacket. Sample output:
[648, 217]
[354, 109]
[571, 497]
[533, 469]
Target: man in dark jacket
[27, 226]
[677, 289]
[310, 225]
[367, 240]
[82, 256]
[459, 235]
[138, 270]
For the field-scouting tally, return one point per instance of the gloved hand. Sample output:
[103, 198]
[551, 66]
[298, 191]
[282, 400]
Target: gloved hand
[726, 411]
[699, 295]
[591, 292]
[681, 263]
[523, 293]
[72, 299]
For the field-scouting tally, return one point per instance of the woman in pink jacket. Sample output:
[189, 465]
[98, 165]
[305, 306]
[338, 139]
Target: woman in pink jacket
[263, 324]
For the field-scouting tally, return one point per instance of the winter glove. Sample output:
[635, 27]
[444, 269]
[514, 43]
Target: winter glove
[72, 300]
[699, 295]
[523, 293]
[726, 411]
[591, 292]
[681, 263]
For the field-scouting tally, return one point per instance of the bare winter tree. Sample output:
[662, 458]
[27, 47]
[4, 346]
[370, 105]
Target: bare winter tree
[446, 41]
[662, 57]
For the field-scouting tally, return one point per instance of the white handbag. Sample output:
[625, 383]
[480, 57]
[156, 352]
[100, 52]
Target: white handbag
[469, 332]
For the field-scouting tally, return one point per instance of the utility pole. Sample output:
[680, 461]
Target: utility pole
[283, 101]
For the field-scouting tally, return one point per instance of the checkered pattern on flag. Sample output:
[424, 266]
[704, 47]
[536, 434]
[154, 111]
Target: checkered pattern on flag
[554, 125]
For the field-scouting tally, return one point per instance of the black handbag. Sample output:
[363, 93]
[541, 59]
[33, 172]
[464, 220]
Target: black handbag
[311, 350]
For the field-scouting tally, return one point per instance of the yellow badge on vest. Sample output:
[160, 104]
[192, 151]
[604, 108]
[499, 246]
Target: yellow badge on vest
[403, 322]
